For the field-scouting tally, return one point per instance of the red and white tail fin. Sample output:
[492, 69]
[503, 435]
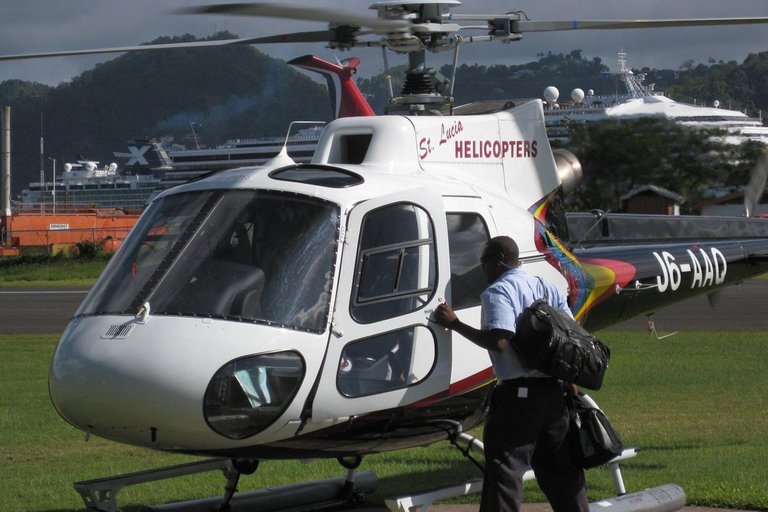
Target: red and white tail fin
[346, 98]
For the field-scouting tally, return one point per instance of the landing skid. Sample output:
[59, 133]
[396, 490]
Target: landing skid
[667, 498]
[101, 494]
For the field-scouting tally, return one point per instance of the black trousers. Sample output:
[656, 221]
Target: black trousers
[526, 428]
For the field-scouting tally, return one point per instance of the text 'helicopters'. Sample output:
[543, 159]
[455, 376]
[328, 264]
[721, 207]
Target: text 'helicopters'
[283, 311]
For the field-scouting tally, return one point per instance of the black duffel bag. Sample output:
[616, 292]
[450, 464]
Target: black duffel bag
[550, 341]
[594, 442]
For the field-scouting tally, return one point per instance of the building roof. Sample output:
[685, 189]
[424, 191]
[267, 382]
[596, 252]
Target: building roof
[655, 190]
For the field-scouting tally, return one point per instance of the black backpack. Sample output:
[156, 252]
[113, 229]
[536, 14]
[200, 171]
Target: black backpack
[550, 341]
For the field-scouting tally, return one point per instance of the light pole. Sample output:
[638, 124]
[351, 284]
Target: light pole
[53, 182]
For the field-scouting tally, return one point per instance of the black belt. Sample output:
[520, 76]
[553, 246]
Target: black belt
[526, 381]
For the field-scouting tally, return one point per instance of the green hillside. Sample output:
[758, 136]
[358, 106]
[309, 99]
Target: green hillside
[736, 86]
[235, 92]
[744, 85]
[239, 92]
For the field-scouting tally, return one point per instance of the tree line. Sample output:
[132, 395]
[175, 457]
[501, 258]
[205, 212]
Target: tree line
[234, 92]
[736, 86]
[619, 155]
[239, 92]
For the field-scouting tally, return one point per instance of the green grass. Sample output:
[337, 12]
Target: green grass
[695, 404]
[55, 272]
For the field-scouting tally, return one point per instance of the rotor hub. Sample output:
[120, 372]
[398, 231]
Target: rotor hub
[417, 12]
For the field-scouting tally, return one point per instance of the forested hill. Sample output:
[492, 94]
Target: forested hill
[737, 86]
[744, 85]
[235, 92]
[238, 92]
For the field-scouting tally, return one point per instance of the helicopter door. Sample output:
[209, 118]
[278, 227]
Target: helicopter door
[470, 226]
[383, 352]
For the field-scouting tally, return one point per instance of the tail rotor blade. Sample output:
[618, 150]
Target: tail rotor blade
[756, 186]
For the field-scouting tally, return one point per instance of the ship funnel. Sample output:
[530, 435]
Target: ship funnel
[5, 198]
[569, 170]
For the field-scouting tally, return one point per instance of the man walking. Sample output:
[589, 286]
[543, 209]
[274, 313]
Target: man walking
[528, 418]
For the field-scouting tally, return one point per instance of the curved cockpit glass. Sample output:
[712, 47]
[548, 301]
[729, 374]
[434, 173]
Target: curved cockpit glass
[236, 254]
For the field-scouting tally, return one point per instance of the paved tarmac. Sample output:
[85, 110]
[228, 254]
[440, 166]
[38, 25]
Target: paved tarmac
[38, 310]
[738, 308]
[527, 507]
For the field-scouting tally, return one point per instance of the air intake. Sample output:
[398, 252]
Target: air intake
[117, 332]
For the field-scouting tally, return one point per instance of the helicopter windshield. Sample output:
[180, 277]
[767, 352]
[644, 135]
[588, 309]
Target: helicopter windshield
[238, 254]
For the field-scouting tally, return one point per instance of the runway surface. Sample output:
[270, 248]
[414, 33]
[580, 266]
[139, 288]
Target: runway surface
[527, 507]
[739, 308]
[38, 310]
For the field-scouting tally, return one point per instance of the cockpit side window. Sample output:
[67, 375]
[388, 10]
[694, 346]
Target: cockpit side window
[396, 266]
[467, 235]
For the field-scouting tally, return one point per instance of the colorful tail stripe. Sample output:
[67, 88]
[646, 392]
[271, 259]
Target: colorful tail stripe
[590, 281]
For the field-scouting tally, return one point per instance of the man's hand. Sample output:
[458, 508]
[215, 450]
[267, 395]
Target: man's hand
[444, 315]
[495, 339]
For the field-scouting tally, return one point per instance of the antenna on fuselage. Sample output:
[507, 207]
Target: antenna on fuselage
[284, 149]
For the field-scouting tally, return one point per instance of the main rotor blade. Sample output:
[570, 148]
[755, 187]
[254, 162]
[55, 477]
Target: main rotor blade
[297, 12]
[299, 37]
[320, 36]
[548, 26]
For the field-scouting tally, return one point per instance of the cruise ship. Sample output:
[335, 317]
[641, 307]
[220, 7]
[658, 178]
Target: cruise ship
[640, 100]
[643, 100]
[84, 184]
[151, 168]
[188, 164]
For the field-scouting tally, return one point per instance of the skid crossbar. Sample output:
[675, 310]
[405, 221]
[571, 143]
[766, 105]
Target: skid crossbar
[100, 494]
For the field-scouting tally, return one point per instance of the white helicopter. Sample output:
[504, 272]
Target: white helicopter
[283, 311]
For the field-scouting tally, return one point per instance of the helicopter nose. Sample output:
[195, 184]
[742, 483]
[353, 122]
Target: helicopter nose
[126, 388]
[179, 384]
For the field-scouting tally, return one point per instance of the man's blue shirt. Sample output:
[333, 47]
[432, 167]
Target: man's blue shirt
[503, 302]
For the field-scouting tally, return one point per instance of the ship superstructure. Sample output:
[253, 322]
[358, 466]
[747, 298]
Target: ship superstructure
[85, 183]
[642, 100]
[188, 164]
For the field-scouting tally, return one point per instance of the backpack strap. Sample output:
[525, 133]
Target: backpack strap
[543, 287]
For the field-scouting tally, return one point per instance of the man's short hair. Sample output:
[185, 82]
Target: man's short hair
[506, 246]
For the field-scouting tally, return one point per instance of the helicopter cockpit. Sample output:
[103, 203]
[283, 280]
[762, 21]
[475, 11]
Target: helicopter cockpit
[246, 255]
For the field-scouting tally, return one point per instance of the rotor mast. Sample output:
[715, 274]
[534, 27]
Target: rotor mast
[425, 89]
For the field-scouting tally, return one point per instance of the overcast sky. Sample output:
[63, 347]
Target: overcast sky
[31, 26]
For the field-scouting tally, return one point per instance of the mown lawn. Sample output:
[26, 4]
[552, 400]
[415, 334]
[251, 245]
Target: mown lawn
[53, 272]
[695, 404]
